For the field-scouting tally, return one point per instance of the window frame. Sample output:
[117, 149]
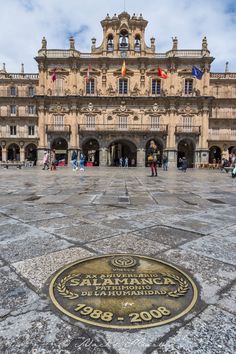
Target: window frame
[155, 87]
[90, 87]
[122, 87]
[31, 129]
[13, 130]
[187, 90]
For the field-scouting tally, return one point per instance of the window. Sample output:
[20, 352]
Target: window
[13, 110]
[123, 86]
[58, 122]
[31, 109]
[90, 121]
[156, 87]
[155, 122]
[90, 85]
[13, 91]
[123, 122]
[188, 88]
[31, 91]
[12, 129]
[187, 124]
[59, 87]
[31, 130]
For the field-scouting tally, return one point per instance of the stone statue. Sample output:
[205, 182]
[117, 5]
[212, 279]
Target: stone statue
[204, 44]
[175, 43]
[44, 43]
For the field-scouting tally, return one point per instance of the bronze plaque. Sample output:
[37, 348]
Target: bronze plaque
[123, 291]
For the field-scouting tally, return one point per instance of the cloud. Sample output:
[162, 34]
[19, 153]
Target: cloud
[24, 23]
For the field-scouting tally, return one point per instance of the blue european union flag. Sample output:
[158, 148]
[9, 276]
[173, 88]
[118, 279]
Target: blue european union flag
[197, 73]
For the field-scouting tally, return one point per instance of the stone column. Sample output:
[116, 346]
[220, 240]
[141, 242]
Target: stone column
[103, 157]
[22, 154]
[4, 154]
[141, 157]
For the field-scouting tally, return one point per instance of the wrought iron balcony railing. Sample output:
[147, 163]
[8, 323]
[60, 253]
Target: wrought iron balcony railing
[162, 128]
[54, 128]
[180, 129]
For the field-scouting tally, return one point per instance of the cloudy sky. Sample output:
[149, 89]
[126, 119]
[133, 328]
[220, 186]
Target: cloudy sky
[23, 23]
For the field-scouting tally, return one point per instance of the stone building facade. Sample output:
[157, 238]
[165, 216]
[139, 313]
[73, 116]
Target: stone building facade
[91, 107]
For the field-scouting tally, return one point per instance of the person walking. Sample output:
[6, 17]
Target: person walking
[121, 161]
[46, 160]
[81, 162]
[165, 163]
[53, 161]
[152, 158]
[74, 162]
[184, 164]
[126, 162]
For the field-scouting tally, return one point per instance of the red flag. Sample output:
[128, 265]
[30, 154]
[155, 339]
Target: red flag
[161, 73]
[88, 73]
[54, 75]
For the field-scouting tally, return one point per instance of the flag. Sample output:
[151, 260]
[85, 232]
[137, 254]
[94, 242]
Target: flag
[88, 73]
[161, 73]
[123, 69]
[54, 75]
[197, 73]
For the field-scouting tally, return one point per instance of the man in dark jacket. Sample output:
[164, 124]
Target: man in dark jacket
[184, 164]
[74, 160]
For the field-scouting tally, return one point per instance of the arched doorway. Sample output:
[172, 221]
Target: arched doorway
[31, 153]
[232, 150]
[91, 151]
[13, 152]
[122, 148]
[186, 148]
[60, 146]
[159, 145]
[214, 154]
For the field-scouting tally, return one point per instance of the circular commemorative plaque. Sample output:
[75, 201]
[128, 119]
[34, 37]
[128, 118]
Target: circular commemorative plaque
[123, 291]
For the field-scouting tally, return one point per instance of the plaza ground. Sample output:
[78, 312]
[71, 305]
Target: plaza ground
[51, 218]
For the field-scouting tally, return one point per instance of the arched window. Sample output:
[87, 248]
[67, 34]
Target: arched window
[124, 40]
[188, 87]
[13, 91]
[123, 86]
[156, 87]
[90, 87]
[110, 43]
[30, 91]
[137, 43]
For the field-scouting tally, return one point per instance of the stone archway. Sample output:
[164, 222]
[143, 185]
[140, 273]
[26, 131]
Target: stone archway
[160, 148]
[186, 148]
[215, 154]
[60, 146]
[13, 152]
[90, 149]
[122, 148]
[31, 153]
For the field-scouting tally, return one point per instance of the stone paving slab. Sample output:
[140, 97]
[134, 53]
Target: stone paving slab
[127, 243]
[213, 332]
[212, 275]
[37, 270]
[166, 235]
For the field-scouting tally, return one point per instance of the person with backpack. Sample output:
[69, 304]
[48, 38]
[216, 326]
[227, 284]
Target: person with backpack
[74, 162]
[152, 158]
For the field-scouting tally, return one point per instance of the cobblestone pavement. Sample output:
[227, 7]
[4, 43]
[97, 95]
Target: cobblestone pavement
[49, 219]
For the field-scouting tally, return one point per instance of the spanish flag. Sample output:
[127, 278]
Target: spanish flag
[161, 73]
[123, 69]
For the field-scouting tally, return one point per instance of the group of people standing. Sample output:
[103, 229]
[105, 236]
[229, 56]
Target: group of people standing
[49, 160]
[124, 162]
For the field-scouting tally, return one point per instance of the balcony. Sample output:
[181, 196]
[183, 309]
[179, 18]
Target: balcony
[222, 134]
[194, 130]
[19, 135]
[54, 128]
[161, 128]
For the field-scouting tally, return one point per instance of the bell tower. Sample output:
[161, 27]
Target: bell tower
[124, 36]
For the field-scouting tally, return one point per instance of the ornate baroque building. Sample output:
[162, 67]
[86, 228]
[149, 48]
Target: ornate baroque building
[108, 116]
